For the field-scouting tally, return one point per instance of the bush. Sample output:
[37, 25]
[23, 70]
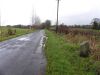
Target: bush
[11, 32]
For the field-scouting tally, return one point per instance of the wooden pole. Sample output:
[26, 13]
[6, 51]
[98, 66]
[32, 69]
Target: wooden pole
[57, 15]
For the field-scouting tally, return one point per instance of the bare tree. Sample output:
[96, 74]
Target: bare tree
[35, 19]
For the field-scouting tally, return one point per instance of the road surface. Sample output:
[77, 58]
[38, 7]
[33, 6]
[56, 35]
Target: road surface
[23, 55]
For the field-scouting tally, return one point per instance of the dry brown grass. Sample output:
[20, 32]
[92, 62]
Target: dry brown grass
[93, 40]
[78, 35]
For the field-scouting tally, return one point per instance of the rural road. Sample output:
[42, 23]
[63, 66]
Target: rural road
[23, 55]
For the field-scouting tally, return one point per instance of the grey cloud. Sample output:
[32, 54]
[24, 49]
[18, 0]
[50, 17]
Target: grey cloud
[81, 18]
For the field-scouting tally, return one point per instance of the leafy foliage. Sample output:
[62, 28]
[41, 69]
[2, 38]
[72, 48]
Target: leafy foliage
[95, 25]
[47, 24]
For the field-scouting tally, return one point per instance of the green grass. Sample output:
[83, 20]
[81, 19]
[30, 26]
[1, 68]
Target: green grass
[63, 57]
[19, 32]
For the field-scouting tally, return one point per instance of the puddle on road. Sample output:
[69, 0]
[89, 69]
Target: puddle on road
[41, 44]
[24, 39]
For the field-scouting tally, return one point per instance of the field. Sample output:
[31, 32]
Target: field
[79, 35]
[62, 52]
[4, 34]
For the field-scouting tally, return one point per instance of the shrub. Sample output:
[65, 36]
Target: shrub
[11, 32]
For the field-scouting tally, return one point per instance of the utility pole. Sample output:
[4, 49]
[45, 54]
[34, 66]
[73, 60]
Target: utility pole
[57, 15]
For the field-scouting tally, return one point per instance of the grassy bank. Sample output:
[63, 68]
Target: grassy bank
[19, 32]
[63, 57]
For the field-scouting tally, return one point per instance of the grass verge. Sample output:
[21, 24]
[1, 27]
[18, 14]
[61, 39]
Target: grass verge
[63, 57]
[19, 32]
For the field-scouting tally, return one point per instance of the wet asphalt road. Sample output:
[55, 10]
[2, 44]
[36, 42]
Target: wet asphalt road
[23, 55]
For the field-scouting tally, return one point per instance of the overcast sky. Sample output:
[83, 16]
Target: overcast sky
[71, 11]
